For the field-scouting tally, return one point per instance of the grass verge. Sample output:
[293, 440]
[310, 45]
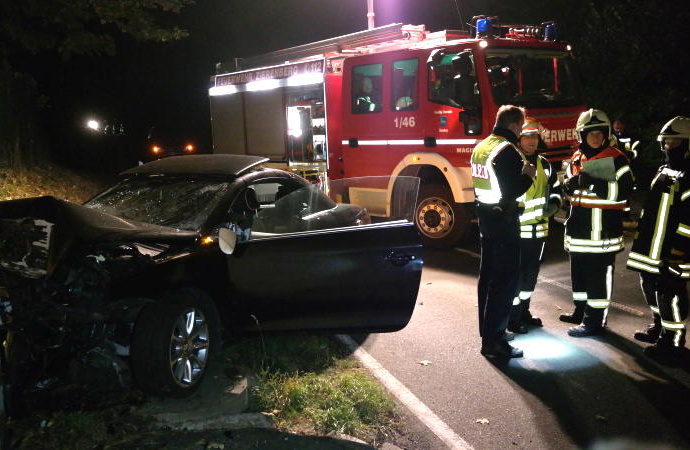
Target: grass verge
[312, 385]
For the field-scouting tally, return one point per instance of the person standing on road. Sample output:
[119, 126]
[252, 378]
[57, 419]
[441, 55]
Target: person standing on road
[540, 203]
[597, 184]
[661, 249]
[500, 174]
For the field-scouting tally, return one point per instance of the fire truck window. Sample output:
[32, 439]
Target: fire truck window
[532, 78]
[366, 88]
[453, 81]
[404, 85]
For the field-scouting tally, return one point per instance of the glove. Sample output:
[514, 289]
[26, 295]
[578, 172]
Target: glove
[585, 179]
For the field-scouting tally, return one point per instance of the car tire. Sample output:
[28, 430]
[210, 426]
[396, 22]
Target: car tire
[173, 342]
[441, 221]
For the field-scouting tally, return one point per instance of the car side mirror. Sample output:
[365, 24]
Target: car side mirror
[227, 240]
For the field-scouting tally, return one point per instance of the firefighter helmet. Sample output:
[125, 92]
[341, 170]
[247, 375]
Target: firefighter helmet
[678, 127]
[531, 126]
[593, 119]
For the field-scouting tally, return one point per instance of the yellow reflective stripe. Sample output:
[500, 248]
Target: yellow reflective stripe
[598, 304]
[613, 191]
[578, 296]
[525, 295]
[683, 230]
[516, 301]
[595, 242]
[642, 266]
[582, 249]
[685, 195]
[643, 258]
[622, 171]
[672, 325]
[589, 200]
[660, 229]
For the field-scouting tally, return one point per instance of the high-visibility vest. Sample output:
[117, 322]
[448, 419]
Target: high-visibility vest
[663, 233]
[486, 187]
[533, 224]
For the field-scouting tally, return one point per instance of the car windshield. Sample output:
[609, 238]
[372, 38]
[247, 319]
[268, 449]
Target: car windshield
[532, 78]
[182, 203]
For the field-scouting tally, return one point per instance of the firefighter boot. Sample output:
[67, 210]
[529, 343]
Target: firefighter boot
[515, 321]
[592, 324]
[651, 334]
[528, 318]
[576, 316]
[666, 352]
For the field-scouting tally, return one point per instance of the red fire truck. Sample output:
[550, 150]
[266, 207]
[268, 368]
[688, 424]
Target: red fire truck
[398, 100]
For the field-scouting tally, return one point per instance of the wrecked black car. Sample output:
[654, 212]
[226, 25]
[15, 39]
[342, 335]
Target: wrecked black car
[134, 287]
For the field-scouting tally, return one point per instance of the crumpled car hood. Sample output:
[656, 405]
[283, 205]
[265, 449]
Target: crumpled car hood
[35, 231]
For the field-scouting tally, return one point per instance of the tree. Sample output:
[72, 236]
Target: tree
[30, 29]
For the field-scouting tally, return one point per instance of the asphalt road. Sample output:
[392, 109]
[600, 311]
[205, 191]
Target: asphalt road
[565, 393]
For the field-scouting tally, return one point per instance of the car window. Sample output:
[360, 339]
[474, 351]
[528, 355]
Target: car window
[183, 203]
[343, 203]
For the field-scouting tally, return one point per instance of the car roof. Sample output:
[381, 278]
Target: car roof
[198, 164]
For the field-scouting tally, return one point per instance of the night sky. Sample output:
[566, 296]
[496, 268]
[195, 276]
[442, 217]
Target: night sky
[166, 85]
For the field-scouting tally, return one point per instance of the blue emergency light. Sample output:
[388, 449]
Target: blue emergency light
[485, 26]
[551, 31]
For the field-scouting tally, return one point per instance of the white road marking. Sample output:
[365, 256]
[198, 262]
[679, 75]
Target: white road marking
[565, 287]
[406, 397]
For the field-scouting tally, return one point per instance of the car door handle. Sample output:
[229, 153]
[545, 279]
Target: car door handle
[399, 258]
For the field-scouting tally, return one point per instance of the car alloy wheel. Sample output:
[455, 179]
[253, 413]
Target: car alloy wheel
[189, 347]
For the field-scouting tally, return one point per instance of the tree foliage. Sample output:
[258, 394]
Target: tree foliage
[32, 28]
[83, 26]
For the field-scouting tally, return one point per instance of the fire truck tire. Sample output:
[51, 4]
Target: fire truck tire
[173, 342]
[440, 221]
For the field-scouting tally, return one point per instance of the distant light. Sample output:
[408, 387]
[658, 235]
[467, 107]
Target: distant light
[304, 79]
[222, 90]
[93, 124]
[189, 147]
[483, 44]
[569, 47]
[262, 85]
[206, 240]
[155, 149]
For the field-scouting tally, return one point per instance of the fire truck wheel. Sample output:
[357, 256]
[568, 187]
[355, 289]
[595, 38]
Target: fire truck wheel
[440, 220]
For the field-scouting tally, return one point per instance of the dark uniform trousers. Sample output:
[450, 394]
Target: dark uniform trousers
[592, 278]
[531, 252]
[498, 272]
[668, 295]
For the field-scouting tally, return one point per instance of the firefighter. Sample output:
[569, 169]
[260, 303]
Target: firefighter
[367, 101]
[661, 249]
[540, 202]
[597, 184]
[500, 174]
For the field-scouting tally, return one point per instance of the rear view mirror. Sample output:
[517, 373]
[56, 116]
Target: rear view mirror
[227, 240]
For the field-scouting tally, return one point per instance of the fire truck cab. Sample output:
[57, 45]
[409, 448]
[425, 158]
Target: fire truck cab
[398, 100]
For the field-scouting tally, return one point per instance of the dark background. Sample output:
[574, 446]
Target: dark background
[633, 58]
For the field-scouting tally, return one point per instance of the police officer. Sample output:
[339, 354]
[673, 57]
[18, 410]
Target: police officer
[598, 183]
[500, 174]
[540, 202]
[661, 249]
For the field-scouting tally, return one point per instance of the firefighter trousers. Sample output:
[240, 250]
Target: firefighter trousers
[667, 297]
[592, 283]
[500, 259]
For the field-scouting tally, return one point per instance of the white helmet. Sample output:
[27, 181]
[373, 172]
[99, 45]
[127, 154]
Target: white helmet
[592, 119]
[678, 127]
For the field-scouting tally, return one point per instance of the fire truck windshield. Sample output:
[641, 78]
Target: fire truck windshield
[532, 78]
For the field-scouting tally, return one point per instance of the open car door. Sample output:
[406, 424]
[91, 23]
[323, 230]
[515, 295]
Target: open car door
[325, 261]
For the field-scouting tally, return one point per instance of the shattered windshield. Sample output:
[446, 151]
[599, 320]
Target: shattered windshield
[182, 203]
[532, 78]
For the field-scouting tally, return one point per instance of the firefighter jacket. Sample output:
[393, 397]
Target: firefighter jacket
[662, 240]
[497, 170]
[534, 220]
[596, 205]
